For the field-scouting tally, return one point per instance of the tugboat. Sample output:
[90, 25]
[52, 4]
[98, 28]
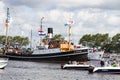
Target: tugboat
[65, 52]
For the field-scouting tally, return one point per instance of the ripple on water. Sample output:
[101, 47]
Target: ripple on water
[26, 70]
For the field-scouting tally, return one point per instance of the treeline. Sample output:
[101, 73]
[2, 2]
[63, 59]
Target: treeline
[103, 41]
[23, 41]
[13, 40]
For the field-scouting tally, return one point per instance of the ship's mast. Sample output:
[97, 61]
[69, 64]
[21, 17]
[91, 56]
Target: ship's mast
[70, 22]
[41, 30]
[69, 35]
[7, 25]
[68, 46]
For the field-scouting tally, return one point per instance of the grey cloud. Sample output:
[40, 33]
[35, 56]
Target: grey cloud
[49, 4]
[39, 4]
[111, 4]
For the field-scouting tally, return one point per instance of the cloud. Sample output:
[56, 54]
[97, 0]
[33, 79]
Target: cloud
[2, 18]
[65, 4]
[89, 16]
[114, 20]
[111, 4]
[2, 12]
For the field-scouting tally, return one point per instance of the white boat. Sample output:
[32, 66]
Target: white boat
[93, 54]
[108, 69]
[75, 66]
[98, 55]
[3, 62]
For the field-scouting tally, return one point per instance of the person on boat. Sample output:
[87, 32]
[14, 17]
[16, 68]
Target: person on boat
[74, 62]
[115, 64]
[106, 63]
[69, 62]
[102, 63]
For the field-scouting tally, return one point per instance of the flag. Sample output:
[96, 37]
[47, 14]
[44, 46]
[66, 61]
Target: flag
[70, 22]
[40, 32]
[8, 18]
[65, 24]
[6, 22]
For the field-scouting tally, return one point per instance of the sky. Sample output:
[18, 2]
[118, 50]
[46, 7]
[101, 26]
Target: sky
[88, 16]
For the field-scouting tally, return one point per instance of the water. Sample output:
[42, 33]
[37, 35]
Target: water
[26, 70]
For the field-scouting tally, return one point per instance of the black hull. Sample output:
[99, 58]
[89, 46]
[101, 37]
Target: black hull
[61, 56]
[115, 71]
[111, 70]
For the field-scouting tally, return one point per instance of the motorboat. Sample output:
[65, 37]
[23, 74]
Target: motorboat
[108, 69]
[76, 65]
[107, 66]
[3, 62]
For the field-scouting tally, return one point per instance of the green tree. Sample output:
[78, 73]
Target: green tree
[85, 40]
[100, 39]
[2, 39]
[97, 40]
[116, 43]
[58, 37]
[22, 41]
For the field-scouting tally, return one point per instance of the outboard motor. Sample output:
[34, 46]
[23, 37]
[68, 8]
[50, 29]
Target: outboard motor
[90, 69]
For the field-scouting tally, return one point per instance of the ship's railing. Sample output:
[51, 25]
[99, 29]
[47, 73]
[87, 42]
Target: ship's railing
[46, 51]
